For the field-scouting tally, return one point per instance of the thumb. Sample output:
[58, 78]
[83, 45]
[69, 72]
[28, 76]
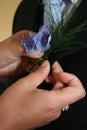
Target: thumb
[38, 76]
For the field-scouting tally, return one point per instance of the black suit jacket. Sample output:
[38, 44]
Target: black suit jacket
[29, 15]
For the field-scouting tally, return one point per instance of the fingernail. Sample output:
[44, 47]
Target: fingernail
[45, 63]
[54, 64]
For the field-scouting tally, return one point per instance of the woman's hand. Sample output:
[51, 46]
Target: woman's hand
[13, 56]
[24, 106]
[67, 86]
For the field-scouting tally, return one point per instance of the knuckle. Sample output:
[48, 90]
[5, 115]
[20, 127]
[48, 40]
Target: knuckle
[82, 92]
[23, 82]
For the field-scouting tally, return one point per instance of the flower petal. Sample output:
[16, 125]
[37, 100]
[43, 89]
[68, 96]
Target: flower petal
[29, 43]
[40, 40]
[43, 38]
[45, 29]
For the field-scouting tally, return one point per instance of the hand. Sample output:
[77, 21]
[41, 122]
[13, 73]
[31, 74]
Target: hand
[67, 86]
[24, 106]
[13, 56]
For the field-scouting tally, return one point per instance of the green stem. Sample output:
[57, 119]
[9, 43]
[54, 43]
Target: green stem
[37, 62]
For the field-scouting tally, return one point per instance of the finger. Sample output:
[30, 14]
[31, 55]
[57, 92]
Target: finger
[35, 54]
[14, 42]
[21, 35]
[73, 92]
[56, 68]
[39, 75]
[69, 79]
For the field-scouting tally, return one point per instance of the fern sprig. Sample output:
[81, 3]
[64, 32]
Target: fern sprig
[62, 37]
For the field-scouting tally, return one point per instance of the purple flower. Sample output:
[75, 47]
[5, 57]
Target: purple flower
[29, 43]
[40, 40]
[43, 38]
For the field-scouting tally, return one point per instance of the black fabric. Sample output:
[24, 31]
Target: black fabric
[29, 16]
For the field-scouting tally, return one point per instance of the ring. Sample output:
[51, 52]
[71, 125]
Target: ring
[66, 108]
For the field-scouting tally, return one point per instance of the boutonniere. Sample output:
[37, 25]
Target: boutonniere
[55, 34]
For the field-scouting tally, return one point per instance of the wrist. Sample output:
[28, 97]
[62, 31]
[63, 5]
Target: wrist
[9, 119]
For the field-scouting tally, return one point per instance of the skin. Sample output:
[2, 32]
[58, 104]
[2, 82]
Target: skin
[13, 55]
[23, 105]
